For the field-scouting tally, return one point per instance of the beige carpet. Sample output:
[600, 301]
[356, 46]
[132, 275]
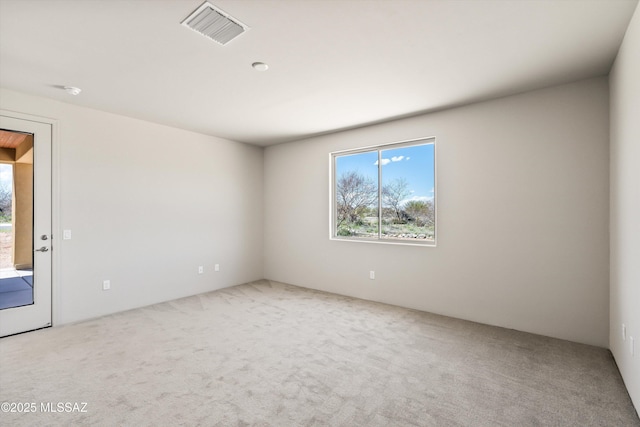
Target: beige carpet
[269, 354]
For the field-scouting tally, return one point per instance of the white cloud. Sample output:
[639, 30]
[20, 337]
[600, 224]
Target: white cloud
[393, 159]
[384, 162]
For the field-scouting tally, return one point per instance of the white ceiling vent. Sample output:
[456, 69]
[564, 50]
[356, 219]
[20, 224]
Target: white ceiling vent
[215, 24]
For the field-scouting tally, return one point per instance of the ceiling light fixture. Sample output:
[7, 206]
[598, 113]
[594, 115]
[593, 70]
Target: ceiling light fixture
[260, 66]
[71, 90]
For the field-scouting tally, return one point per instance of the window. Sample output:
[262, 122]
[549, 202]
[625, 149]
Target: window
[385, 193]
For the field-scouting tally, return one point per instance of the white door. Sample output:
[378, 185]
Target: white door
[37, 315]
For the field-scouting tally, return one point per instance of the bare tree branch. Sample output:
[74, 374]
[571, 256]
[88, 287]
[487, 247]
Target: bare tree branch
[354, 193]
[393, 194]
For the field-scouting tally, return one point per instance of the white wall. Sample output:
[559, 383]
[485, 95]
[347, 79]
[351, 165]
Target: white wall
[522, 216]
[625, 207]
[147, 204]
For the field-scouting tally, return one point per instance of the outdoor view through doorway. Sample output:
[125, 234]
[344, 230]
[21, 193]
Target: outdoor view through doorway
[16, 219]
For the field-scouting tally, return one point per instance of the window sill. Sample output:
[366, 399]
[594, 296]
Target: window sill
[401, 242]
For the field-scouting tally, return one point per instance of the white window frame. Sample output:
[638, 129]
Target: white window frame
[379, 148]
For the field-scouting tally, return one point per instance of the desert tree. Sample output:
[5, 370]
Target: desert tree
[393, 196]
[421, 211]
[354, 194]
[5, 200]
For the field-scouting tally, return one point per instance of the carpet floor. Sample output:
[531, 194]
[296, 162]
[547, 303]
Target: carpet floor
[271, 354]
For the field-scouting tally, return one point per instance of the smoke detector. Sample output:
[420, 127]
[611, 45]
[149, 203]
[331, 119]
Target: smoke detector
[215, 24]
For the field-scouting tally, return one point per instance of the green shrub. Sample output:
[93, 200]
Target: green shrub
[343, 231]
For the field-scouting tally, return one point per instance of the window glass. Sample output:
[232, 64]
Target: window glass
[385, 193]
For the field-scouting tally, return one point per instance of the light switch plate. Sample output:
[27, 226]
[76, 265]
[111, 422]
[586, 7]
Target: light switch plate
[66, 235]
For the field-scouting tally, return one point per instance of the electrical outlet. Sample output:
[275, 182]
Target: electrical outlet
[106, 285]
[217, 267]
[372, 275]
[200, 269]
[624, 332]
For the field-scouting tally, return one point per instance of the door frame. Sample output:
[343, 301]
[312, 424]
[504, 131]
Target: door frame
[55, 206]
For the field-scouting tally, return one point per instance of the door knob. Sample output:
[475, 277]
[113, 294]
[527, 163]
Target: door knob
[44, 237]
[42, 249]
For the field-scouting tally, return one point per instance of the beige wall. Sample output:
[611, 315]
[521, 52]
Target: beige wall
[7, 155]
[23, 205]
[24, 151]
[625, 207]
[147, 204]
[23, 215]
[522, 216]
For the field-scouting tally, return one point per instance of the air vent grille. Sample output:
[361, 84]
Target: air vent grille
[213, 23]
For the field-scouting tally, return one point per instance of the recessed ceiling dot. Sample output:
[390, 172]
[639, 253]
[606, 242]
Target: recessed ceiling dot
[71, 90]
[260, 66]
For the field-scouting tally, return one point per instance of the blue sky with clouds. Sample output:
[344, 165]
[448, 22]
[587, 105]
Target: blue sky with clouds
[415, 164]
[6, 174]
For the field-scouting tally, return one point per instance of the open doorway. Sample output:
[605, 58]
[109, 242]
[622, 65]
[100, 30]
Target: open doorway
[16, 219]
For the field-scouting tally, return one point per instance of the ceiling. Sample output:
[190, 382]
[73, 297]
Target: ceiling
[334, 64]
[11, 139]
